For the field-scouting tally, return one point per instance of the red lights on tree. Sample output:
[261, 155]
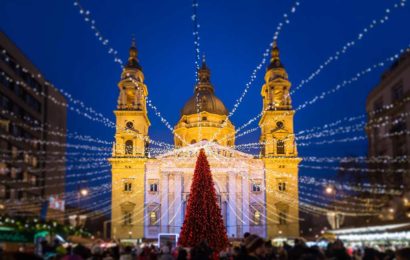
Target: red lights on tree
[203, 219]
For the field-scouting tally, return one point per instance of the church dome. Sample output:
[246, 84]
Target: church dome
[204, 101]
[204, 98]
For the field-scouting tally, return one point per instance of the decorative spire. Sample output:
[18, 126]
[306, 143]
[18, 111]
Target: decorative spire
[132, 59]
[133, 41]
[203, 65]
[204, 73]
[275, 60]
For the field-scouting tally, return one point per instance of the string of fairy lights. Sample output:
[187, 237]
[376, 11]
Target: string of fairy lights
[344, 49]
[82, 110]
[158, 113]
[89, 113]
[195, 33]
[251, 179]
[376, 122]
[281, 24]
[86, 14]
[372, 25]
[380, 64]
[166, 147]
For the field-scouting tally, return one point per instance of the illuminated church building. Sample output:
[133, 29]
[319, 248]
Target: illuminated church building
[256, 194]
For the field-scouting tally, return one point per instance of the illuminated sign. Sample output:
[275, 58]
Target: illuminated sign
[56, 202]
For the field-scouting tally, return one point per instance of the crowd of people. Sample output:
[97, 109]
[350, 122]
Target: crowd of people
[251, 247]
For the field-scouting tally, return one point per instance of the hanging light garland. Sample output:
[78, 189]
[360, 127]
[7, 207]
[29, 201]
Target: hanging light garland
[86, 14]
[339, 86]
[361, 35]
[90, 113]
[286, 20]
[195, 33]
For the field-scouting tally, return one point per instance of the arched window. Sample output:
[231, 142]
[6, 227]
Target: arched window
[282, 218]
[129, 125]
[153, 187]
[129, 147]
[127, 218]
[280, 147]
[153, 218]
[127, 186]
[193, 141]
[282, 186]
[257, 217]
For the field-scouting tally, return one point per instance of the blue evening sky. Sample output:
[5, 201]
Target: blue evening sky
[234, 35]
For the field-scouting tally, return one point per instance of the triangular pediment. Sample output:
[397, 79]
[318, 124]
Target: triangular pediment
[192, 151]
[127, 205]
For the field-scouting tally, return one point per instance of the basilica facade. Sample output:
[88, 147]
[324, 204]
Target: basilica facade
[256, 194]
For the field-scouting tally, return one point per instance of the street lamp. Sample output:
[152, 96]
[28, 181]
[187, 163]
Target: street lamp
[83, 192]
[79, 220]
[330, 190]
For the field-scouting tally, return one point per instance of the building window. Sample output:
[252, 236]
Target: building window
[26, 158]
[3, 191]
[153, 218]
[153, 187]
[282, 186]
[397, 92]
[256, 187]
[282, 218]
[398, 125]
[193, 141]
[4, 124]
[33, 179]
[127, 186]
[204, 118]
[378, 106]
[375, 132]
[5, 102]
[14, 173]
[127, 218]
[34, 161]
[129, 125]
[3, 168]
[280, 147]
[129, 147]
[26, 176]
[12, 194]
[257, 217]
[400, 149]
[14, 152]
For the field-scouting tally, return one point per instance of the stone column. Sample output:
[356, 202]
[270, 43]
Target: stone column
[245, 202]
[164, 201]
[231, 215]
[123, 98]
[179, 218]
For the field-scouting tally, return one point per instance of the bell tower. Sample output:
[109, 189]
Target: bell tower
[278, 151]
[129, 153]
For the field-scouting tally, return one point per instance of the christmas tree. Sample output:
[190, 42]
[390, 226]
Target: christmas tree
[203, 219]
